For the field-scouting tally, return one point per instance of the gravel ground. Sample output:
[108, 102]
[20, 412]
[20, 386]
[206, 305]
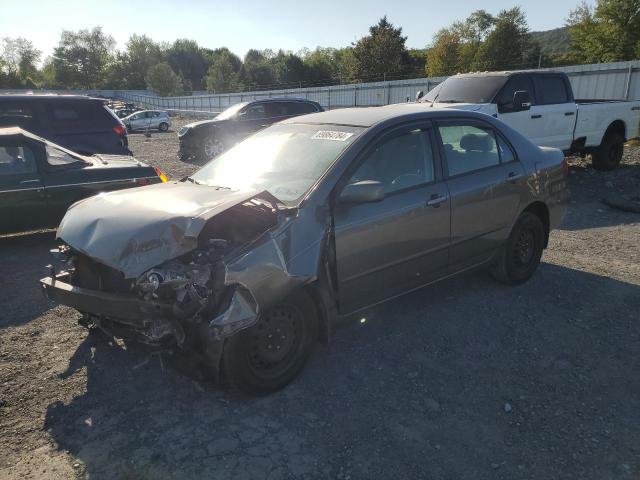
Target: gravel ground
[465, 379]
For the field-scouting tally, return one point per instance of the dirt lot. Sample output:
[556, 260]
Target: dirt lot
[466, 379]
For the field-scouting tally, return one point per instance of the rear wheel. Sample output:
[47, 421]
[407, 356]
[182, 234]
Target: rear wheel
[609, 154]
[163, 127]
[271, 353]
[522, 252]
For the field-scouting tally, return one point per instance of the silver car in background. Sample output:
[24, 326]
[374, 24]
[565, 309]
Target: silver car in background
[147, 120]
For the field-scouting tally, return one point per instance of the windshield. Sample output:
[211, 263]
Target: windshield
[230, 112]
[285, 160]
[473, 89]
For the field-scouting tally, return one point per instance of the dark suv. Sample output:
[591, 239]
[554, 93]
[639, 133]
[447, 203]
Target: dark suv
[207, 139]
[81, 124]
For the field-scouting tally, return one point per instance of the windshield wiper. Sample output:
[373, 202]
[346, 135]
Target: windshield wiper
[451, 101]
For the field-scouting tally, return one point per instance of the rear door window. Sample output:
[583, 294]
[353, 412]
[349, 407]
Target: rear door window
[468, 148]
[300, 108]
[277, 109]
[550, 90]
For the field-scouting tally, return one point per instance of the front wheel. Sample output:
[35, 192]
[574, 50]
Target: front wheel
[270, 354]
[211, 148]
[609, 154]
[521, 254]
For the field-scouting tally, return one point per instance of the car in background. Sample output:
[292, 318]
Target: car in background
[540, 104]
[207, 139]
[249, 260]
[125, 112]
[81, 124]
[39, 180]
[147, 120]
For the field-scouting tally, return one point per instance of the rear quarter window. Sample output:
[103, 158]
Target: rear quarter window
[80, 111]
[15, 114]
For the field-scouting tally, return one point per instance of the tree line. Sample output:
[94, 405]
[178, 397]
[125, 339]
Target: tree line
[88, 59]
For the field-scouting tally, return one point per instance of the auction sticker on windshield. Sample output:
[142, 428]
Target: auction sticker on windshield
[332, 135]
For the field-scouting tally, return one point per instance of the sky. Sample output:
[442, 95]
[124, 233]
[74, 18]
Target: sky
[244, 24]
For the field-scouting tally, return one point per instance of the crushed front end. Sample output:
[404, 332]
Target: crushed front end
[191, 302]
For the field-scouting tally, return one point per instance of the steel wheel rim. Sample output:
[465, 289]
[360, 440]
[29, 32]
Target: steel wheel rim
[213, 147]
[275, 341]
[524, 248]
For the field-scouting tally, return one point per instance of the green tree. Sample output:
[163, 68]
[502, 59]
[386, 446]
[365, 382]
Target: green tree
[289, 68]
[81, 57]
[443, 57]
[257, 70]
[381, 54]
[163, 80]
[190, 61]
[608, 33]
[224, 72]
[140, 55]
[20, 59]
[506, 46]
[473, 32]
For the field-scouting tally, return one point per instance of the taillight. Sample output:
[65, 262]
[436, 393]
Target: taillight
[161, 175]
[565, 167]
[120, 130]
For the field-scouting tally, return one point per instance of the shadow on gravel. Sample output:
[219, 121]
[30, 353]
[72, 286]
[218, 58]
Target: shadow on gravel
[24, 258]
[467, 375]
[589, 187]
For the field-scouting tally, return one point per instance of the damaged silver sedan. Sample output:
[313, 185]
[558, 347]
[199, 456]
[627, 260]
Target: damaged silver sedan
[249, 261]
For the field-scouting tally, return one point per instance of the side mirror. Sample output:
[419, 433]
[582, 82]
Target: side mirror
[419, 95]
[521, 101]
[366, 191]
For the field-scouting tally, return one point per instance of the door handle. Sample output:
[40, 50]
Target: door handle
[513, 176]
[568, 114]
[436, 200]
[536, 116]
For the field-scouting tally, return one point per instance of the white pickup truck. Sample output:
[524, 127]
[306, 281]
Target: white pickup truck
[540, 105]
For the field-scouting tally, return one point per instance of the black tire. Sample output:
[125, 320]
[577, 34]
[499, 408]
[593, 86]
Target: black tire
[521, 254]
[163, 127]
[609, 154]
[257, 362]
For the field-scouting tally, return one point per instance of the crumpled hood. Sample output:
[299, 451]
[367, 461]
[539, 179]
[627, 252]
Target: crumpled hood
[471, 107]
[136, 229]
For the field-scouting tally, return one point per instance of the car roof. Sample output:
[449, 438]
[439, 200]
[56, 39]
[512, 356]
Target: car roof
[370, 116]
[508, 73]
[46, 97]
[282, 99]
